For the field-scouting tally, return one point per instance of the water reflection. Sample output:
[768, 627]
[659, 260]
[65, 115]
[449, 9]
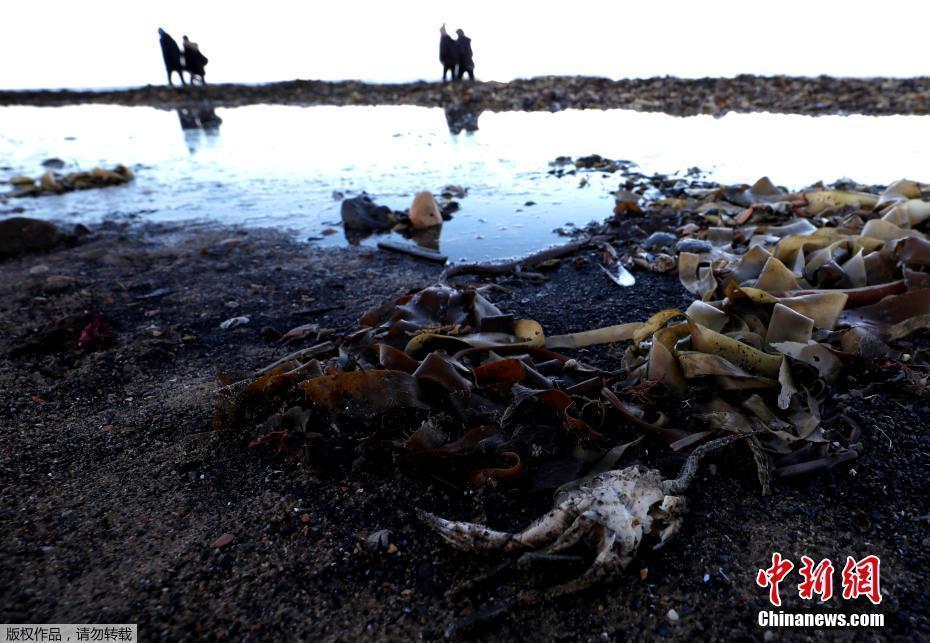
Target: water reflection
[460, 118]
[196, 123]
[279, 165]
[427, 237]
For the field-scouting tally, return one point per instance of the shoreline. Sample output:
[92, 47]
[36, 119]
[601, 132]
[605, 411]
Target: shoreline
[820, 95]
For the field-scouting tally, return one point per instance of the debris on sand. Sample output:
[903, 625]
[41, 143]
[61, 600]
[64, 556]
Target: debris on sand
[795, 294]
[56, 183]
[235, 322]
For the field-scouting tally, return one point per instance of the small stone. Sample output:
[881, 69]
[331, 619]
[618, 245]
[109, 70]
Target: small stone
[380, 539]
[19, 235]
[222, 541]
[643, 573]
[58, 283]
[392, 548]
[672, 616]
[305, 518]
[696, 246]
[658, 240]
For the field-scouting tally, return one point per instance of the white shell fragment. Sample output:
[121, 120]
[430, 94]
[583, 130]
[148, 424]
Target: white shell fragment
[232, 322]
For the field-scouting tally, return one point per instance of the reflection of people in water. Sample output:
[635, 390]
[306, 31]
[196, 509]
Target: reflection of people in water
[196, 123]
[208, 119]
[460, 118]
[204, 118]
[171, 54]
[188, 118]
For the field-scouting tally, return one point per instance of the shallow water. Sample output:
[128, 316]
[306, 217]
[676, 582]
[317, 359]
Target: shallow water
[279, 165]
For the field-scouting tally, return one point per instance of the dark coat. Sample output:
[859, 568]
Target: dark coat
[447, 51]
[463, 49]
[170, 52]
[194, 61]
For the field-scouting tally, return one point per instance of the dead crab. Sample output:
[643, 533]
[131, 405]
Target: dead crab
[611, 512]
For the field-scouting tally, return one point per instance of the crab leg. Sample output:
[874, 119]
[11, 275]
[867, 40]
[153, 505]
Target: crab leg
[605, 566]
[571, 536]
[526, 561]
[471, 536]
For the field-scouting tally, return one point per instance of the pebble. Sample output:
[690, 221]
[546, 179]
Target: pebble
[222, 541]
[58, 283]
[696, 246]
[380, 539]
[659, 239]
[673, 616]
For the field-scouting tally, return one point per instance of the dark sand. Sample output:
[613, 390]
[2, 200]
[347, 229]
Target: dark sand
[109, 499]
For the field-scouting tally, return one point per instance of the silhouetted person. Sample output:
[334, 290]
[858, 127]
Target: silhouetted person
[172, 55]
[448, 55]
[194, 61]
[463, 50]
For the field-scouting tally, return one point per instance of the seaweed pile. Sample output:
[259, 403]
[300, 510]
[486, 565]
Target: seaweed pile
[794, 292]
[56, 183]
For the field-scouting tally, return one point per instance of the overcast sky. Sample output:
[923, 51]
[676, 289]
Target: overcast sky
[63, 43]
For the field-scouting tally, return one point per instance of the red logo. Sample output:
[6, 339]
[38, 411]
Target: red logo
[859, 578]
[817, 580]
[773, 576]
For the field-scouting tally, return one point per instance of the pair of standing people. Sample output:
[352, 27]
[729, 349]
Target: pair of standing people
[194, 62]
[455, 55]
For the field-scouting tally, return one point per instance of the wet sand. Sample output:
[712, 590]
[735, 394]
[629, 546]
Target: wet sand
[111, 497]
[678, 96]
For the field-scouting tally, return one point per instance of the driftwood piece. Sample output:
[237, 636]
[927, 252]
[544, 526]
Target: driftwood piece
[515, 266]
[413, 251]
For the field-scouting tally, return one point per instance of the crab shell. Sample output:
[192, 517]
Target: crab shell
[611, 513]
